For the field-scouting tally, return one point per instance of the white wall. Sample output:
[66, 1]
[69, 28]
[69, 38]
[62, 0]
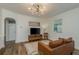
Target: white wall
[1, 34]
[22, 25]
[70, 26]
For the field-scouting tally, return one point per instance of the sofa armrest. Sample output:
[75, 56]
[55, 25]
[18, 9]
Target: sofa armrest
[44, 49]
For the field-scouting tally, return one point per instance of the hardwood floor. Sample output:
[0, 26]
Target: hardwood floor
[16, 49]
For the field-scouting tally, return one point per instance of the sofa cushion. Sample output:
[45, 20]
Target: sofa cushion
[66, 40]
[55, 43]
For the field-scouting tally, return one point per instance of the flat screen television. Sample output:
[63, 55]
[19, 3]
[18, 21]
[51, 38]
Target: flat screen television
[34, 31]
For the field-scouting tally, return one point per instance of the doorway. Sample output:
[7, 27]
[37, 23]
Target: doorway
[10, 31]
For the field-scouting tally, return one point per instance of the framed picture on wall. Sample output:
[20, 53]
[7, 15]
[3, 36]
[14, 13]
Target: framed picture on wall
[58, 26]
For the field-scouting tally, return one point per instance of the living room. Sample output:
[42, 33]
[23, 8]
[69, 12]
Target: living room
[59, 21]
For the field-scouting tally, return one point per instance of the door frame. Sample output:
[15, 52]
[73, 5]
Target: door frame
[5, 20]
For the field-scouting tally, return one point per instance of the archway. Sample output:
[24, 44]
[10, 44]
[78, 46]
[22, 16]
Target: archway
[9, 31]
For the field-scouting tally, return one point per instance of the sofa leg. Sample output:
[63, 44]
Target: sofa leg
[71, 53]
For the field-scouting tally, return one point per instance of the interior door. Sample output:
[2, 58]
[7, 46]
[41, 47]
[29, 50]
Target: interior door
[10, 31]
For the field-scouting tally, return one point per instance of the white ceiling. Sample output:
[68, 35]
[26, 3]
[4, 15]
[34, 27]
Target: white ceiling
[53, 8]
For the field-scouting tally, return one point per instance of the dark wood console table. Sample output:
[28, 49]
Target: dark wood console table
[35, 37]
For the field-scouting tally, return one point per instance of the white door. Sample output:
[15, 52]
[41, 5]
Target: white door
[12, 31]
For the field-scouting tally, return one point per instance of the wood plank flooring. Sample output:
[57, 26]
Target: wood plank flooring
[16, 49]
